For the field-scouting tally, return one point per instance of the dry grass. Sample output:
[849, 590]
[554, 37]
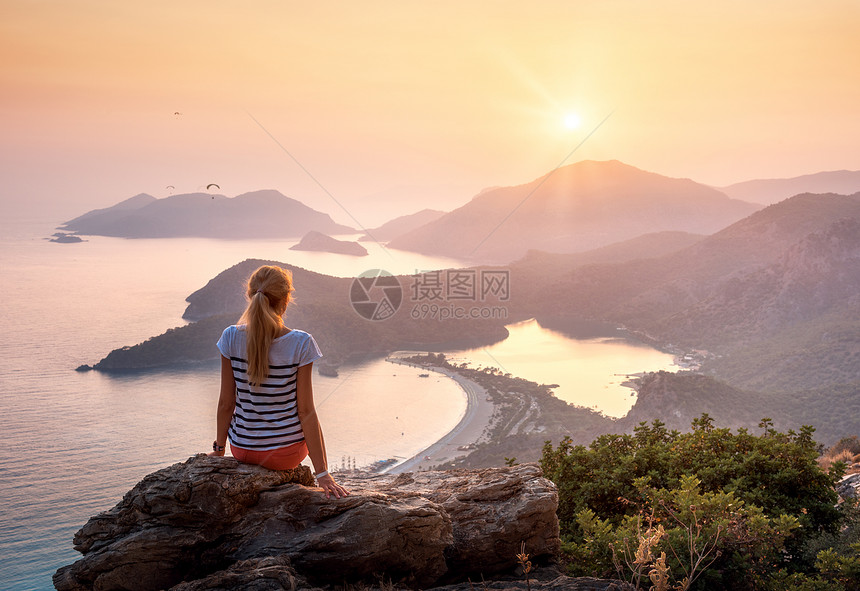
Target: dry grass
[846, 450]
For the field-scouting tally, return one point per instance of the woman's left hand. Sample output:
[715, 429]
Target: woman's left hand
[217, 454]
[331, 487]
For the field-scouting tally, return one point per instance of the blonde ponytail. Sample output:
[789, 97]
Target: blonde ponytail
[268, 290]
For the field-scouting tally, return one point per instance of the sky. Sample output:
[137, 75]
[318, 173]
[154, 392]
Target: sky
[369, 110]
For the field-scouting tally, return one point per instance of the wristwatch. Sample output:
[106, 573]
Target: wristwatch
[216, 447]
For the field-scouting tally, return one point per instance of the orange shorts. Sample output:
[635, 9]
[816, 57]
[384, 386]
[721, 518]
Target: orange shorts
[283, 458]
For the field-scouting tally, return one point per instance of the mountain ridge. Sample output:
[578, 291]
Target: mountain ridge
[265, 213]
[575, 208]
[763, 293]
[769, 191]
[401, 225]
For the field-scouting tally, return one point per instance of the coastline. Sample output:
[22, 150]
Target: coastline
[470, 430]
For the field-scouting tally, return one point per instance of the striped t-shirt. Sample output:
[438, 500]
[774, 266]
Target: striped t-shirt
[266, 416]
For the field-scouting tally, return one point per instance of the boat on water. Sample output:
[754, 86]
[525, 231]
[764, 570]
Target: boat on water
[423, 375]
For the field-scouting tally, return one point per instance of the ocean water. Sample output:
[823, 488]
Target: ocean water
[74, 443]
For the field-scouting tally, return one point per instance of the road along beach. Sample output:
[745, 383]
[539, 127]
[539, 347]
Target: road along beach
[471, 429]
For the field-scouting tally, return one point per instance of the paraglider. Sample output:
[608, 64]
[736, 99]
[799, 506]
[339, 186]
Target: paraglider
[210, 185]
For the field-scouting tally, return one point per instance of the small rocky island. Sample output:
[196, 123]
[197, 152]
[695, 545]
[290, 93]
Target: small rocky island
[213, 523]
[319, 242]
[66, 238]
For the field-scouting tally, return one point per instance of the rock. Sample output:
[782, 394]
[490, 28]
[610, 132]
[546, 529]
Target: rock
[213, 523]
[170, 525]
[849, 486]
[272, 573]
[493, 512]
[317, 241]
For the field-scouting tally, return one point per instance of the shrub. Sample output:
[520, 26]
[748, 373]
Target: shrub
[746, 484]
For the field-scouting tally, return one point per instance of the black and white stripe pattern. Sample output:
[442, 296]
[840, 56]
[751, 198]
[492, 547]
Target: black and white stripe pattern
[266, 416]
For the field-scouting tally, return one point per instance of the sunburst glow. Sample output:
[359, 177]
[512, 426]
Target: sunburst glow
[572, 121]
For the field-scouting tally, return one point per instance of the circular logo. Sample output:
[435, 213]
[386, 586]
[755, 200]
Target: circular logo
[375, 294]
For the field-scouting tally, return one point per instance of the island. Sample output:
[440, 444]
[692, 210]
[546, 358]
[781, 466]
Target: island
[319, 242]
[64, 238]
[260, 214]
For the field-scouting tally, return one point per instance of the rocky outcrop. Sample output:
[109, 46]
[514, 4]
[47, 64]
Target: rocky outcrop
[849, 486]
[213, 523]
[276, 574]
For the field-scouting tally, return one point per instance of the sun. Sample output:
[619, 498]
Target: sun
[572, 121]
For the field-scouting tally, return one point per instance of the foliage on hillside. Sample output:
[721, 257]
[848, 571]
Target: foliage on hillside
[821, 353]
[727, 510]
[676, 399]
[192, 343]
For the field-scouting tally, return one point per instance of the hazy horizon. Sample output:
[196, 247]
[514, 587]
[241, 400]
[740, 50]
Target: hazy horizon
[391, 108]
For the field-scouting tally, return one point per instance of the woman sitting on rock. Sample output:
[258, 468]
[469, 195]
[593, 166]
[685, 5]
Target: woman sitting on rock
[266, 406]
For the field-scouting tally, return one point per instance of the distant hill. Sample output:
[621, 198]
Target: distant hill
[776, 296]
[768, 191]
[575, 208]
[401, 225]
[647, 246]
[321, 307]
[258, 214]
[115, 212]
[319, 242]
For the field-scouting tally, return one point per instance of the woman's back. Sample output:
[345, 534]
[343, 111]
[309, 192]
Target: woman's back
[266, 415]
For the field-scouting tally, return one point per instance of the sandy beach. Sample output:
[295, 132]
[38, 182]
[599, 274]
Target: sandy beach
[471, 428]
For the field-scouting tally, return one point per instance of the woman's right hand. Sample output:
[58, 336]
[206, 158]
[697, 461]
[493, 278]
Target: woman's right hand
[331, 487]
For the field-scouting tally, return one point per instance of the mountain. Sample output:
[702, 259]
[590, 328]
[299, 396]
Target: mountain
[319, 242]
[115, 212]
[647, 246]
[798, 316]
[406, 223]
[775, 297]
[767, 191]
[258, 214]
[575, 208]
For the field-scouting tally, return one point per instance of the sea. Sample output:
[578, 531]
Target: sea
[75, 442]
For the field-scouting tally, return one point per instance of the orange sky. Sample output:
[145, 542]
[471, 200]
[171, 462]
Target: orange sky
[396, 106]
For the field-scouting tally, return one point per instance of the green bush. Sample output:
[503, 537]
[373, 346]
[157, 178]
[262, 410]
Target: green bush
[679, 534]
[746, 484]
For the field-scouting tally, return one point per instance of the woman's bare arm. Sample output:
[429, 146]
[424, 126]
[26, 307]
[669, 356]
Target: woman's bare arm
[226, 405]
[313, 432]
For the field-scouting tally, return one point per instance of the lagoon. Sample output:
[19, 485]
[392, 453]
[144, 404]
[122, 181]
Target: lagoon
[589, 372]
